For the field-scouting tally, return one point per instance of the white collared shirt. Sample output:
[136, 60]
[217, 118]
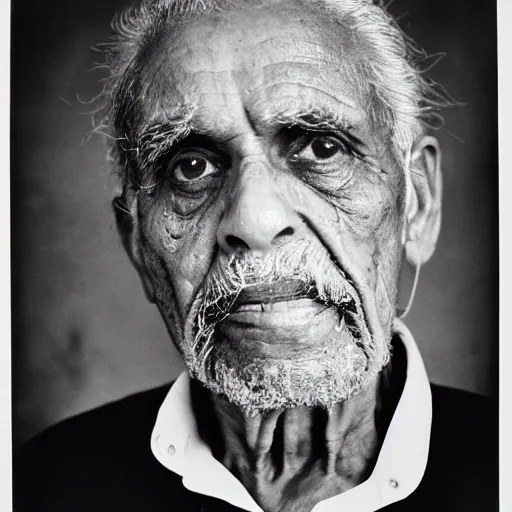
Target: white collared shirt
[400, 466]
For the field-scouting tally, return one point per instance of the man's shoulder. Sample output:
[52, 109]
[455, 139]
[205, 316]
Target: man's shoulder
[97, 460]
[457, 400]
[130, 417]
[462, 467]
[461, 418]
[464, 430]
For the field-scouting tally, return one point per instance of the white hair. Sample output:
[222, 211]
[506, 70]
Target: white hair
[402, 100]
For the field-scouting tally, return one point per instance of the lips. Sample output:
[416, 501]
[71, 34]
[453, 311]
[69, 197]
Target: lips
[296, 323]
[281, 313]
[285, 304]
[282, 291]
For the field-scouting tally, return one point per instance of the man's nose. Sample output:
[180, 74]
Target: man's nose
[257, 217]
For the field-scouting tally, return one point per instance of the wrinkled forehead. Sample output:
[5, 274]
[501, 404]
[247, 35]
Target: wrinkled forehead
[259, 60]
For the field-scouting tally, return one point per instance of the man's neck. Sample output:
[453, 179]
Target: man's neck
[291, 459]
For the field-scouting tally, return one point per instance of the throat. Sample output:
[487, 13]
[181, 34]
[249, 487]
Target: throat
[291, 459]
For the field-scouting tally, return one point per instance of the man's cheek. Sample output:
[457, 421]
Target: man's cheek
[369, 228]
[386, 256]
[166, 231]
[169, 220]
[366, 204]
[182, 250]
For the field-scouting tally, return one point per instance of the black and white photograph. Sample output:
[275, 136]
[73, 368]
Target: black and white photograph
[254, 256]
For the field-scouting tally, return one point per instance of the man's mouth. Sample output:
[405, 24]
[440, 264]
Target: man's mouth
[286, 312]
[276, 292]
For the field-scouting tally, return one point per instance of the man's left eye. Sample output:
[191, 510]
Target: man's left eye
[319, 148]
[324, 148]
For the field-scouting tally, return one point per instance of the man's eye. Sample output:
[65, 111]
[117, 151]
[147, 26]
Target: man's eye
[188, 168]
[324, 148]
[319, 148]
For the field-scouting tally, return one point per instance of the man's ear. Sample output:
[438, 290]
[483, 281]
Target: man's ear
[423, 209]
[127, 226]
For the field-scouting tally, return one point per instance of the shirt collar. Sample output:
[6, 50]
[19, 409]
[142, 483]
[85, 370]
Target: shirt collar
[400, 466]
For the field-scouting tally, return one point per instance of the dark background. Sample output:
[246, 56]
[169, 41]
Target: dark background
[82, 331]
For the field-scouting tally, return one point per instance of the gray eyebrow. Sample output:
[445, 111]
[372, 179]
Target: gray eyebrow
[156, 137]
[312, 118]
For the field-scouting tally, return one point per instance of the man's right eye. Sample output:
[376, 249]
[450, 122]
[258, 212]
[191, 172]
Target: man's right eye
[191, 167]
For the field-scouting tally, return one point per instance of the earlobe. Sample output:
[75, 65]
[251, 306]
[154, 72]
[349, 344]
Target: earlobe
[127, 226]
[423, 210]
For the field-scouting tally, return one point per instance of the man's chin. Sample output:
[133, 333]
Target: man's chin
[266, 378]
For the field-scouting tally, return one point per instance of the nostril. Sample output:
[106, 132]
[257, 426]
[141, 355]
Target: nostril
[236, 243]
[286, 232]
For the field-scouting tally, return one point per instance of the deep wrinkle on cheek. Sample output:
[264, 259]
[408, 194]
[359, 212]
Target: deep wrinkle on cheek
[371, 203]
[173, 231]
[334, 184]
[160, 224]
[177, 269]
[177, 231]
[197, 232]
[386, 272]
[385, 255]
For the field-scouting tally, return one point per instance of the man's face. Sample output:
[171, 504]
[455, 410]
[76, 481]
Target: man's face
[271, 236]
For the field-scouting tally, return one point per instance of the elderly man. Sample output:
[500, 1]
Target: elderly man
[276, 172]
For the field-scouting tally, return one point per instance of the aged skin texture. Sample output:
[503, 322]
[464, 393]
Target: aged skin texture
[269, 226]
